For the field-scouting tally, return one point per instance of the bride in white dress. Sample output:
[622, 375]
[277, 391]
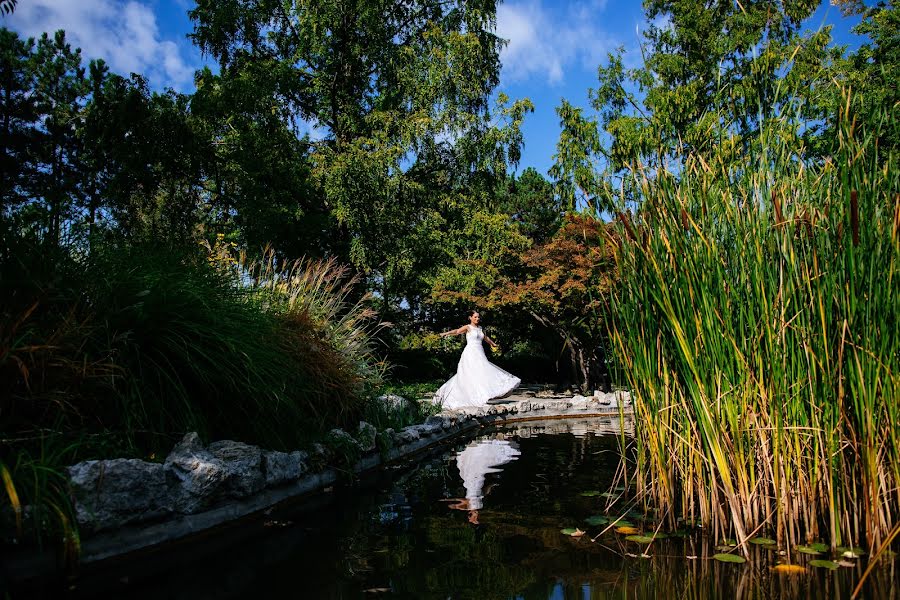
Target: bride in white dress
[476, 380]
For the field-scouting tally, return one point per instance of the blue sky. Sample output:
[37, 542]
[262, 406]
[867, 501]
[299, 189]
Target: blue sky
[553, 52]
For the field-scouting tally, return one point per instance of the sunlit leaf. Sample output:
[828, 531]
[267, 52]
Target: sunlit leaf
[823, 564]
[641, 539]
[761, 541]
[627, 530]
[789, 569]
[729, 558]
[807, 550]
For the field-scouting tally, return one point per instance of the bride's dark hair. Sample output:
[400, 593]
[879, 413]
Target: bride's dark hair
[471, 312]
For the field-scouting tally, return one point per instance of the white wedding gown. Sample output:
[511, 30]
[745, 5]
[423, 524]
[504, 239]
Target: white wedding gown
[476, 380]
[478, 459]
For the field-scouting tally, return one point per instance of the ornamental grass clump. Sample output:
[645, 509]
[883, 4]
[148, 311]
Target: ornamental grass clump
[757, 326]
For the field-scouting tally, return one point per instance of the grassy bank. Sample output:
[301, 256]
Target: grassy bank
[757, 325]
[120, 351]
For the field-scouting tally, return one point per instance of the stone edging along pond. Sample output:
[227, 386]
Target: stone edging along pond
[125, 505]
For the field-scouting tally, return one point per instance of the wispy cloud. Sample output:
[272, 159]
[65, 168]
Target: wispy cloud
[124, 34]
[544, 43]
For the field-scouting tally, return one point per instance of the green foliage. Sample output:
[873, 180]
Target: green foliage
[756, 326]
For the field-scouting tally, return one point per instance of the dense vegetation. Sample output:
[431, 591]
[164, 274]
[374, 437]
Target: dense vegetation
[755, 318]
[721, 232]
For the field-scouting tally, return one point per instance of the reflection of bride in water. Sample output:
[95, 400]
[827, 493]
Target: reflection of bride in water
[474, 462]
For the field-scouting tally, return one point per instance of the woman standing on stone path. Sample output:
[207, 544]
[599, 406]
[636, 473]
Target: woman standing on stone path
[477, 380]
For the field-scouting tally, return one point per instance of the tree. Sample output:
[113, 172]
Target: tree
[59, 89]
[709, 81]
[18, 114]
[390, 85]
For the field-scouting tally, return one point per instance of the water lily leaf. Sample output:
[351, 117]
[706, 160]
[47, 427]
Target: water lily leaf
[789, 569]
[846, 563]
[574, 532]
[850, 552]
[807, 550]
[627, 530]
[590, 493]
[761, 541]
[597, 520]
[729, 558]
[640, 539]
[610, 495]
[820, 547]
[823, 564]
[730, 542]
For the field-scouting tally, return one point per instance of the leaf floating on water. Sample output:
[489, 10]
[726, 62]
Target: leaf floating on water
[730, 542]
[377, 591]
[597, 520]
[761, 541]
[640, 539]
[789, 569]
[846, 563]
[823, 564]
[590, 493]
[820, 547]
[854, 552]
[729, 558]
[808, 550]
[627, 530]
[573, 532]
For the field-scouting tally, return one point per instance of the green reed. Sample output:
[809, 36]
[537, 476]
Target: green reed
[757, 326]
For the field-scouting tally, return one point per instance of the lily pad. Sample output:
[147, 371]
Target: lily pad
[808, 550]
[761, 541]
[850, 552]
[574, 532]
[824, 564]
[627, 530]
[820, 547]
[597, 520]
[590, 493]
[789, 569]
[729, 558]
[640, 539]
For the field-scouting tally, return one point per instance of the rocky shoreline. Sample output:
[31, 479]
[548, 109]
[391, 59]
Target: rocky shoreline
[125, 505]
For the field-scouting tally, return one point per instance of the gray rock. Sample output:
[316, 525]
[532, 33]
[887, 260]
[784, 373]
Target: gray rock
[438, 420]
[339, 437]
[365, 436]
[283, 467]
[243, 464]
[112, 493]
[408, 435]
[395, 402]
[195, 477]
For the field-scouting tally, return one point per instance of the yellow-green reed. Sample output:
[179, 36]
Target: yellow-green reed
[756, 323]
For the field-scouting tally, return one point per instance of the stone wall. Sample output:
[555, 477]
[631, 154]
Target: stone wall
[123, 505]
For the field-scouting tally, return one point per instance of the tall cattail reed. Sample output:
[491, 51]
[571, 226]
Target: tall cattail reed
[766, 365]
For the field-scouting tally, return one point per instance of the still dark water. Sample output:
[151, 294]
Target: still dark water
[398, 537]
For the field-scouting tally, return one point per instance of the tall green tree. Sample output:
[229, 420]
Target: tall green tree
[18, 114]
[60, 86]
[388, 85]
[711, 78]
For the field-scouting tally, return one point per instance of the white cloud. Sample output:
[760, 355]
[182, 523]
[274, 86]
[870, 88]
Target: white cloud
[544, 43]
[124, 34]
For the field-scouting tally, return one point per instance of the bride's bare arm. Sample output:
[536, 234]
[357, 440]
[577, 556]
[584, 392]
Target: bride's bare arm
[490, 342]
[459, 331]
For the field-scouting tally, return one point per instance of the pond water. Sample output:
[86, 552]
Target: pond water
[478, 520]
